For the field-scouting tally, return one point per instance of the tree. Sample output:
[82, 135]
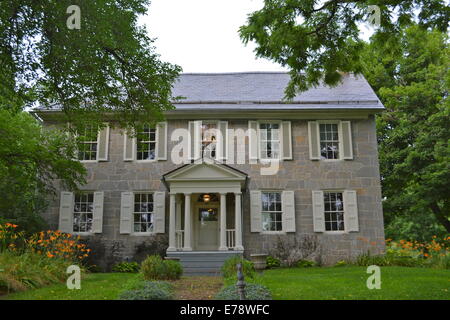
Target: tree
[107, 66]
[31, 160]
[317, 40]
[412, 80]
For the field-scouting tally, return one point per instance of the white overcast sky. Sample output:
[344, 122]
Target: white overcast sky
[202, 35]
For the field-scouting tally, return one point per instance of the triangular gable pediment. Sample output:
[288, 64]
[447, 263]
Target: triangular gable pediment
[205, 171]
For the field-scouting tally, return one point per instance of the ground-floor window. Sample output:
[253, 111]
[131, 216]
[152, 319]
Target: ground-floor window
[271, 211]
[83, 212]
[143, 212]
[334, 211]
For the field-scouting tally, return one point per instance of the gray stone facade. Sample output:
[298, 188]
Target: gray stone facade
[301, 175]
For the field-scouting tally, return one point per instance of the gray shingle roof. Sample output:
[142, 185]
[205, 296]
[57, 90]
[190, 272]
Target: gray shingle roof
[265, 90]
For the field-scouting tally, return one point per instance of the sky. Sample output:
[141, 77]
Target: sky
[202, 35]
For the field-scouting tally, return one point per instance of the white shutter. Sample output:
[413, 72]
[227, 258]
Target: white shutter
[346, 138]
[350, 211]
[159, 198]
[128, 147]
[286, 133]
[103, 144]
[222, 147]
[195, 139]
[314, 140]
[162, 141]
[318, 211]
[288, 206]
[253, 140]
[97, 221]
[126, 212]
[66, 212]
[255, 211]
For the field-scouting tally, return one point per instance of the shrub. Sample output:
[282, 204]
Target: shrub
[306, 264]
[9, 237]
[229, 269]
[252, 292]
[149, 290]
[341, 263]
[30, 270]
[130, 267]
[290, 250]
[155, 268]
[272, 262]
[174, 270]
[59, 245]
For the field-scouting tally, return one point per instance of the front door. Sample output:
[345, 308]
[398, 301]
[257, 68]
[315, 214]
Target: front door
[207, 227]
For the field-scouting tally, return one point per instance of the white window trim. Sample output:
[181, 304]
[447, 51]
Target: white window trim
[82, 233]
[216, 122]
[96, 154]
[338, 122]
[280, 136]
[272, 232]
[145, 233]
[156, 147]
[336, 232]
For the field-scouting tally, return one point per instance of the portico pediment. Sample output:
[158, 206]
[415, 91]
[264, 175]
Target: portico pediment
[205, 171]
[205, 176]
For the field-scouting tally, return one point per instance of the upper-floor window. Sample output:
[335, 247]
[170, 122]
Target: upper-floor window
[88, 143]
[329, 140]
[209, 139]
[271, 210]
[334, 211]
[143, 212]
[146, 144]
[83, 211]
[269, 139]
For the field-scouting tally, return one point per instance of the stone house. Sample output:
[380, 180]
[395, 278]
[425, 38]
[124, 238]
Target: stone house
[234, 169]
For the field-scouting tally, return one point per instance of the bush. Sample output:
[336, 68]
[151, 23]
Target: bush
[306, 264]
[30, 270]
[388, 260]
[127, 267]
[155, 268]
[174, 270]
[341, 263]
[149, 290]
[252, 292]
[290, 250]
[272, 262]
[229, 269]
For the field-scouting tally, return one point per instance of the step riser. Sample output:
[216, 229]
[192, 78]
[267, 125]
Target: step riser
[201, 263]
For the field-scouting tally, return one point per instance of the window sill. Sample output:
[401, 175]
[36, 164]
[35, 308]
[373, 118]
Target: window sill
[336, 232]
[273, 232]
[142, 234]
[88, 161]
[83, 233]
[146, 161]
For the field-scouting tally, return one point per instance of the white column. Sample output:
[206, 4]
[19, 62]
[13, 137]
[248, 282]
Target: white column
[238, 221]
[223, 222]
[187, 222]
[172, 225]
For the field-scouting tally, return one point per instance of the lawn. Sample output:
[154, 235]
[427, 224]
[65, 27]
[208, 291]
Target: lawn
[296, 283]
[94, 286]
[350, 283]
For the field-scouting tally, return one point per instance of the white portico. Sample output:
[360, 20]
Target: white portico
[205, 207]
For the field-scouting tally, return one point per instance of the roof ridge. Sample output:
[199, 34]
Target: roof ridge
[232, 73]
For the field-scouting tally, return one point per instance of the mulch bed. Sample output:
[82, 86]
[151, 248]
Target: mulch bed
[197, 288]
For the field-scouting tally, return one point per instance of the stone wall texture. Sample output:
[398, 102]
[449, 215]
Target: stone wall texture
[300, 174]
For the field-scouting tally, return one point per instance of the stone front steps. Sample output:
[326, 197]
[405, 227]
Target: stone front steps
[202, 263]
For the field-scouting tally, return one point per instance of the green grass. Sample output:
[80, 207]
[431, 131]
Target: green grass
[350, 283]
[94, 286]
[296, 283]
